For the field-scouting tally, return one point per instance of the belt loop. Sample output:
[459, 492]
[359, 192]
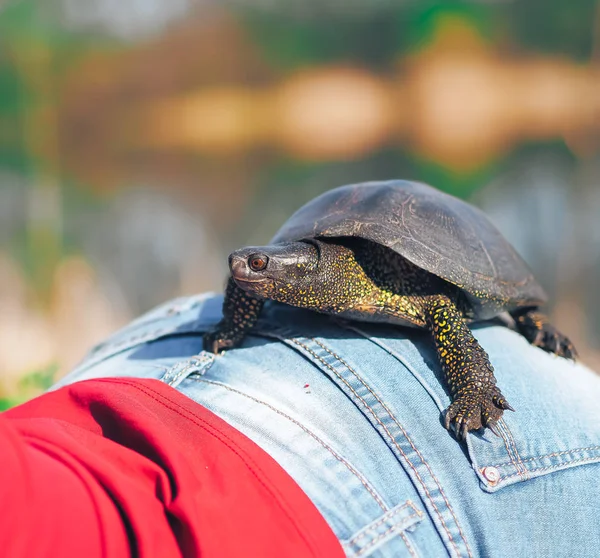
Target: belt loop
[198, 364]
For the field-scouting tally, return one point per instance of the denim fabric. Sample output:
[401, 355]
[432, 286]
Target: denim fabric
[354, 413]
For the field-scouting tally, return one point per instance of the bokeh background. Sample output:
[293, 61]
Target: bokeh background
[142, 140]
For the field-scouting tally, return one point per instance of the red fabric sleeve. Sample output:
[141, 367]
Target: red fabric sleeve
[127, 467]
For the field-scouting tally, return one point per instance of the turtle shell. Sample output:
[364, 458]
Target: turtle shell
[435, 231]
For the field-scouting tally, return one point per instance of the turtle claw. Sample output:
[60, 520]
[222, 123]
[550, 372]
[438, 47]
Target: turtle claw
[220, 345]
[501, 402]
[475, 410]
[463, 429]
[555, 342]
[217, 341]
[538, 339]
[536, 328]
[568, 350]
[459, 428]
[492, 425]
[447, 419]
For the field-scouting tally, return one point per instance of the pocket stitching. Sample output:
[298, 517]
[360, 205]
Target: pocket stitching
[509, 439]
[555, 454]
[391, 415]
[394, 527]
[387, 517]
[352, 470]
[408, 544]
[559, 466]
[201, 361]
[297, 342]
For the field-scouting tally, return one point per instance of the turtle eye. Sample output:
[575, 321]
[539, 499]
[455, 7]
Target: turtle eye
[258, 262]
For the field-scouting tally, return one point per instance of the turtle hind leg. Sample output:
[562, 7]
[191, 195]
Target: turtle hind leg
[538, 330]
[477, 401]
[240, 314]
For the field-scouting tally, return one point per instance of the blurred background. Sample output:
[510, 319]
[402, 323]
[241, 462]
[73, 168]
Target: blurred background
[142, 140]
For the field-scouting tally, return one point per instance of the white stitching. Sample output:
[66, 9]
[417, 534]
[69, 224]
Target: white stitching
[514, 445]
[387, 517]
[408, 544]
[388, 433]
[508, 441]
[362, 480]
[559, 466]
[395, 527]
[391, 415]
[555, 454]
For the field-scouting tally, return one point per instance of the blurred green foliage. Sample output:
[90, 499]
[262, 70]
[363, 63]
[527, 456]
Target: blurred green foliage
[29, 386]
[376, 37]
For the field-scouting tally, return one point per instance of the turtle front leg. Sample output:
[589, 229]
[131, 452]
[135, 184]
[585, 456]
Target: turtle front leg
[476, 400]
[538, 330]
[240, 314]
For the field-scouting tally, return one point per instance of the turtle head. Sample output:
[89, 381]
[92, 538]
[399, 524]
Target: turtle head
[316, 274]
[275, 272]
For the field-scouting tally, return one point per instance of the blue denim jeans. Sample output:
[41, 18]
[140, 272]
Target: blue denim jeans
[353, 412]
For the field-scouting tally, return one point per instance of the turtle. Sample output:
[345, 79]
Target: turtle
[404, 253]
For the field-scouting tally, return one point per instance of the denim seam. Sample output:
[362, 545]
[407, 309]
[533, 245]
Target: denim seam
[408, 544]
[180, 373]
[559, 466]
[403, 360]
[171, 308]
[140, 338]
[109, 349]
[113, 349]
[374, 414]
[289, 336]
[409, 440]
[555, 454]
[162, 367]
[393, 528]
[513, 443]
[388, 517]
[506, 445]
[197, 361]
[352, 470]
[502, 426]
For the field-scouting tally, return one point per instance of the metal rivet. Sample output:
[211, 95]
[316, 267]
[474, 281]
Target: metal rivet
[491, 474]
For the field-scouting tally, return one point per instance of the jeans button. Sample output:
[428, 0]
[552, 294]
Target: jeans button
[491, 474]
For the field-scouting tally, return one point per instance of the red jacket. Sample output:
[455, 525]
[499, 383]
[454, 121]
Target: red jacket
[124, 467]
